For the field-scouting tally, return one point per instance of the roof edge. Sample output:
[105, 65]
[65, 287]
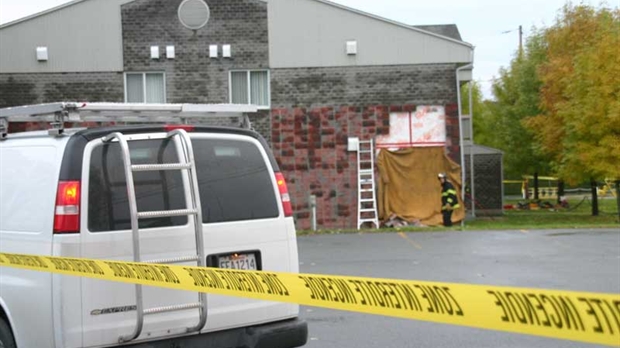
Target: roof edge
[393, 22]
[39, 14]
[492, 150]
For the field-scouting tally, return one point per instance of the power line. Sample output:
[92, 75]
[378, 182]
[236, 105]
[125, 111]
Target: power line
[520, 29]
[509, 31]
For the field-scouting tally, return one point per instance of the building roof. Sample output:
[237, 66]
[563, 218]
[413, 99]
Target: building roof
[482, 150]
[447, 30]
[437, 32]
[315, 33]
[42, 13]
[296, 38]
[443, 30]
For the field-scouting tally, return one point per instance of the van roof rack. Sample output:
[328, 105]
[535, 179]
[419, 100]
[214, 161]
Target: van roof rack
[76, 112]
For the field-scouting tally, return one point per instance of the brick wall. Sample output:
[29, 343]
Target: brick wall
[315, 111]
[22, 89]
[193, 77]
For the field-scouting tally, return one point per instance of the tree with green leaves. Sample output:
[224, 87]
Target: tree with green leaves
[499, 123]
[483, 118]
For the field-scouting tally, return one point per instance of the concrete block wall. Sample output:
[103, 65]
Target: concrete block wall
[431, 84]
[23, 89]
[193, 77]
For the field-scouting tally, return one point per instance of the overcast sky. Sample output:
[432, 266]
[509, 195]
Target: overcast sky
[481, 22]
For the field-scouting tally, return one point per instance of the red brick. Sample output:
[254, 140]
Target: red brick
[409, 108]
[383, 130]
[303, 215]
[382, 109]
[299, 111]
[452, 110]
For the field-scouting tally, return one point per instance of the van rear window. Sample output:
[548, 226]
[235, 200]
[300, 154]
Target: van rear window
[233, 179]
[235, 183]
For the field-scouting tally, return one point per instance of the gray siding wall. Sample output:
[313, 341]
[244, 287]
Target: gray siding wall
[311, 33]
[193, 77]
[83, 37]
[21, 89]
[433, 84]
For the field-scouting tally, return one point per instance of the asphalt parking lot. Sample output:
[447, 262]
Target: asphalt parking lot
[580, 260]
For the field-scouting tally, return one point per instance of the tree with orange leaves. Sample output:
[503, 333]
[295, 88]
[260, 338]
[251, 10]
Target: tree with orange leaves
[579, 126]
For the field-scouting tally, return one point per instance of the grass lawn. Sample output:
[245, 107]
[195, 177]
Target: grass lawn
[578, 215]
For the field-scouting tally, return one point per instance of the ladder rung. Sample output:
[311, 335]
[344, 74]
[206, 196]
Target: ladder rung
[366, 171]
[155, 167]
[175, 259]
[365, 151]
[367, 190]
[367, 200]
[368, 220]
[173, 308]
[166, 213]
[367, 210]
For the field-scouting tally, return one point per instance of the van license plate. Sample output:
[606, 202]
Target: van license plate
[238, 261]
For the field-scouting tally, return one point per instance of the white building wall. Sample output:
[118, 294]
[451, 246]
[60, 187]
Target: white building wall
[83, 36]
[313, 33]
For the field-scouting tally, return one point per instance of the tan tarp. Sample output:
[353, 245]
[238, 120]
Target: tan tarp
[408, 184]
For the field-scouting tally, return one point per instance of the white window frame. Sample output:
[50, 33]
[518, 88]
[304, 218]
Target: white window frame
[467, 123]
[163, 73]
[248, 73]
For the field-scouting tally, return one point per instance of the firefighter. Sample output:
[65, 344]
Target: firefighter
[449, 201]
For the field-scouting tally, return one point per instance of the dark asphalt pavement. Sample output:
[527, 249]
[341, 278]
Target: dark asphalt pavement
[580, 260]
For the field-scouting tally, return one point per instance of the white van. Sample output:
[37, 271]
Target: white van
[65, 193]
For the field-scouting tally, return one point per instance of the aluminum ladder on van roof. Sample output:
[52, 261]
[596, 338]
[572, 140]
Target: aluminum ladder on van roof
[188, 164]
[366, 196]
[73, 112]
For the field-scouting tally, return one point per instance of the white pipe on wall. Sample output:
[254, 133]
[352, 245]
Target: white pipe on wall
[462, 149]
[471, 151]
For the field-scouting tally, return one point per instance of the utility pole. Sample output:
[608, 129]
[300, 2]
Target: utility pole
[618, 197]
[535, 186]
[520, 39]
[594, 189]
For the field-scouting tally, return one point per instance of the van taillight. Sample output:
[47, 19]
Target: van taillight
[286, 199]
[67, 211]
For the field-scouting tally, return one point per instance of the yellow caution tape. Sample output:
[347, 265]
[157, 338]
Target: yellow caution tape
[513, 181]
[579, 316]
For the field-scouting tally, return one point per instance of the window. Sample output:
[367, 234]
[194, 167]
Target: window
[145, 88]
[234, 181]
[250, 87]
[108, 205]
[467, 128]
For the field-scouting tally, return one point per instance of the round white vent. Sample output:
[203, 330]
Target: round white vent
[194, 14]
